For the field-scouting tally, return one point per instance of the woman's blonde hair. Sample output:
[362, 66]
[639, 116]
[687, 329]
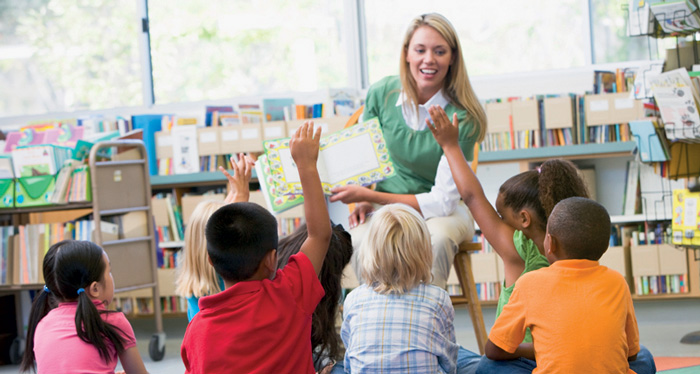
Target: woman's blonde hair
[457, 88]
[197, 277]
[396, 255]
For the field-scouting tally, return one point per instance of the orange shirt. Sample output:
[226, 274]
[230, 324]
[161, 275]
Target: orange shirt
[581, 317]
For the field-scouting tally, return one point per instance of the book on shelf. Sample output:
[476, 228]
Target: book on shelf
[676, 16]
[686, 218]
[651, 143]
[149, 124]
[212, 114]
[274, 108]
[640, 20]
[370, 163]
[185, 149]
[250, 114]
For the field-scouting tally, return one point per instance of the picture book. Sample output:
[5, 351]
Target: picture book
[676, 15]
[677, 99]
[686, 218]
[370, 161]
[185, 153]
[250, 113]
[275, 202]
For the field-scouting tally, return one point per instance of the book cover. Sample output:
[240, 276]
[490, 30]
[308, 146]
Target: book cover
[274, 202]
[677, 99]
[209, 111]
[370, 163]
[150, 124]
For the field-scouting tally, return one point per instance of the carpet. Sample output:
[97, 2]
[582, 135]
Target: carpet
[677, 365]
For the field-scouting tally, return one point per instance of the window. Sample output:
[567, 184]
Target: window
[223, 49]
[497, 37]
[63, 55]
[610, 40]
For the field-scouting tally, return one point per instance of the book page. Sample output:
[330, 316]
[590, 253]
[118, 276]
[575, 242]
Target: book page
[355, 155]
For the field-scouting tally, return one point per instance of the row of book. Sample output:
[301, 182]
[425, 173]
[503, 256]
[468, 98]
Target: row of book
[487, 269]
[555, 120]
[23, 247]
[144, 305]
[661, 284]
[167, 216]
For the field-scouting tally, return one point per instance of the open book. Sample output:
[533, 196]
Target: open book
[355, 155]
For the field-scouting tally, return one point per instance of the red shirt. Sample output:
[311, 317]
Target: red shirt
[256, 326]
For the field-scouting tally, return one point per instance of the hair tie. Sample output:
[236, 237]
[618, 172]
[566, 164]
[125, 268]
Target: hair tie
[80, 290]
[46, 289]
[539, 170]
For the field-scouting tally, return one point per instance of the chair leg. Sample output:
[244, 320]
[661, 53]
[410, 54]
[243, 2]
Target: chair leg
[463, 268]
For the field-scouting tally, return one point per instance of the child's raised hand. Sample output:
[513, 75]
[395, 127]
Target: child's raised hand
[304, 145]
[239, 188]
[445, 133]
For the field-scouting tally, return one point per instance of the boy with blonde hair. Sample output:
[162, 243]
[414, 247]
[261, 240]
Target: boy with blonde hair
[580, 313]
[397, 322]
[261, 323]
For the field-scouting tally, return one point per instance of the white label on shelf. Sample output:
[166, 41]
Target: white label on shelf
[691, 210]
[599, 105]
[250, 134]
[273, 132]
[229, 135]
[165, 140]
[624, 103]
[207, 137]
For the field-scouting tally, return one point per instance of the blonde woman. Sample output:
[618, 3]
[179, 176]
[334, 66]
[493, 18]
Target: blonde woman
[397, 321]
[197, 277]
[432, 72]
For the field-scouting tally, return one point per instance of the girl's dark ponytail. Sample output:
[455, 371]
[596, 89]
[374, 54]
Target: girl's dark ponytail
[559, 179]
[94, 329]
[40, 307]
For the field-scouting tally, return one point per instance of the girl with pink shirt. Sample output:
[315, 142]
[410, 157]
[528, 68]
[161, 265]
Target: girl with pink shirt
[70, 330]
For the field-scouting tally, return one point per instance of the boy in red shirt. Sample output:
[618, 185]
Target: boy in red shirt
[580, 313]
[261, 322]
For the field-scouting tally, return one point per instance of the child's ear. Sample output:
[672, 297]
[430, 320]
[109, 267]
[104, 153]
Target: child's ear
[270, 261]
[525, 218]
[94, 290]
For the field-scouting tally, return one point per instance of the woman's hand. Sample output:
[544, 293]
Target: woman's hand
[350, 194]
[358, 216]
[445, 133]
[238, 183]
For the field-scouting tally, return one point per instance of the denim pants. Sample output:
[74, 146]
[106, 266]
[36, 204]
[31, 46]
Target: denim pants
[644, 364]
[466, 363]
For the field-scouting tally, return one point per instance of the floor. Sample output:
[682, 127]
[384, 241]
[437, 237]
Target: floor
[661, 326]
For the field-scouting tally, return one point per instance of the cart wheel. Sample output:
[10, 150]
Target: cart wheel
[16, 351]
[156, 348]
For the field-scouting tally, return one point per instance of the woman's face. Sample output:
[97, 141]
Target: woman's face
[429, 58]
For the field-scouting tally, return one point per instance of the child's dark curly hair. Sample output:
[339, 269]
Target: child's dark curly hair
[541, 189]
[325, 341]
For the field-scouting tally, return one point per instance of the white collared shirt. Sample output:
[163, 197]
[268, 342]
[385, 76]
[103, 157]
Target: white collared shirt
[443, 197]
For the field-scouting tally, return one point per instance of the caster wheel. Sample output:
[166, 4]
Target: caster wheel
[156, 348]
[16, 351]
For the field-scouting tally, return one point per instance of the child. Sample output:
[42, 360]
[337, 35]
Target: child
[524, 202]
[397, 321]
[79, 335]
[197, 277]
[261, 323]
[580, 313]
[325, 342]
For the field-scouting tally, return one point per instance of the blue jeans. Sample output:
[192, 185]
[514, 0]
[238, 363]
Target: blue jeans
[466, 363]
[644, 364]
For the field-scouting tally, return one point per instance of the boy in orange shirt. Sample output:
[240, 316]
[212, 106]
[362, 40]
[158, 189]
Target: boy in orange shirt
[580, 313]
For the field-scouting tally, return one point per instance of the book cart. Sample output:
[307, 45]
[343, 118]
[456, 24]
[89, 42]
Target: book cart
[118, 187]
[121, 187]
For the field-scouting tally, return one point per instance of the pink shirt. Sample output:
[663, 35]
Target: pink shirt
[58, 349]
[256, 326]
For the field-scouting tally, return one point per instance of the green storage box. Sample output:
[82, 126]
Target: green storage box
[34, 191]
[7, 193]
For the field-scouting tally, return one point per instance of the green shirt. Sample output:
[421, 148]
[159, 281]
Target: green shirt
[528, 251]
[415, 154]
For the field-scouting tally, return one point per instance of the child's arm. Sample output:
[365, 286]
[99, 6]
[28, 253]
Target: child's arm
[132, 362]
[497, 232]
[238, 184]
[304, 147]
[496, 353]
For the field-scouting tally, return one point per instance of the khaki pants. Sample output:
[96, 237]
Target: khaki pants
[446, 233]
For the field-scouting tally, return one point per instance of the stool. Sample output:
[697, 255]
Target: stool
[463, 269]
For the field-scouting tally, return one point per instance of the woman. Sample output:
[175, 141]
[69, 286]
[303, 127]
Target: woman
[432, 72]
